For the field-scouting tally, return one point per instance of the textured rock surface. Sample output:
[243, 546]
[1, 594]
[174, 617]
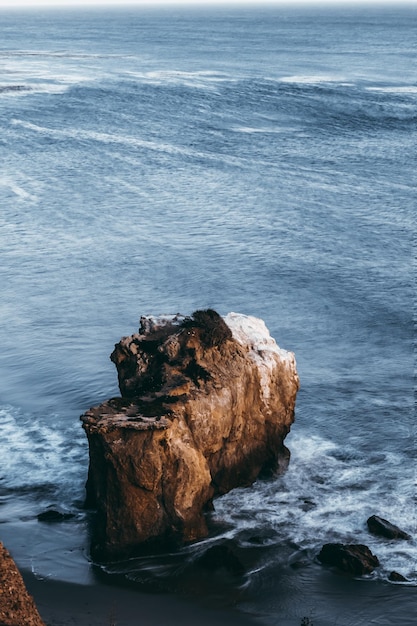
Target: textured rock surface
[17, 607]
[206, 404]
[355, 559]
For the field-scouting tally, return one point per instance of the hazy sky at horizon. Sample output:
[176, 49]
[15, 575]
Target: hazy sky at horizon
[195, 3]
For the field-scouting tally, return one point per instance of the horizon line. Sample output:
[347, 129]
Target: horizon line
[204, 4]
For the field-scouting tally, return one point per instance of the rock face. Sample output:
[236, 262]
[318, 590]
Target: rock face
[381, 527]
[355, 559]
[206, 403]
[17, 607]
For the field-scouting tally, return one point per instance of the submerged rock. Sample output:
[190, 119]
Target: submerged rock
[355, 559]
[383, 528]
[397, 578]
[206, 404]
[52, 516]
[222, 557]
[17, 607]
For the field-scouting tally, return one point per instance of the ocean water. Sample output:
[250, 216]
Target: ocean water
[251, 160]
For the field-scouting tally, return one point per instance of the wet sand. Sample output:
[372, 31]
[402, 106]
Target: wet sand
[68, 604]
[328, 599]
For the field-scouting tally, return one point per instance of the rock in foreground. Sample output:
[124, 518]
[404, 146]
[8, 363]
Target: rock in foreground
[355, 559]
[17, 607]
[206, 404]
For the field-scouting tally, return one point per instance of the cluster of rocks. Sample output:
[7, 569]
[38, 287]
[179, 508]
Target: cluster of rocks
[206, 403]
[357, 559]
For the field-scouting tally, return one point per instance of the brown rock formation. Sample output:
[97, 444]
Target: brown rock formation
[206, 404]
[17, 607]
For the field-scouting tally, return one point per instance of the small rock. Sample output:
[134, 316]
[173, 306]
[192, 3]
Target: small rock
[307, 505]
[53, 516]
[383, 528]
[397, 578]
[355, 559]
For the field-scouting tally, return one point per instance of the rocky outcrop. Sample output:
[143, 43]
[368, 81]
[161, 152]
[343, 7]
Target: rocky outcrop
[205, 406]
[17, 607]
[382, 528]
[355, 559]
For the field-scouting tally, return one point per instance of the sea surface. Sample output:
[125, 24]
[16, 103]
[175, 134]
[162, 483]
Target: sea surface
[252, 160]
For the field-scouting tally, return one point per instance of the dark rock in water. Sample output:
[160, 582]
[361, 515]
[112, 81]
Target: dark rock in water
[206, 405]
[355, 559]
[17, 607]
[222, 557]
[307, 505]
[397, 578]
[12, 88]
[53, 516]
[383, 528]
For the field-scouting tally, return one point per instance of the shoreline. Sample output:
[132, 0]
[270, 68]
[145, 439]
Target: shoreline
[327, 598]
[68, 604]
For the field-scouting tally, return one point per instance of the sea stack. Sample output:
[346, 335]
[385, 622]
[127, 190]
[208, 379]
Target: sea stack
[206, 403]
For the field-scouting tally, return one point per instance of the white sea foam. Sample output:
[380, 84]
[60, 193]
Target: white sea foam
[18, 185]
[200, 80]
[313, 79]
[250, 130]
[107, 138]
[34, 453]
[27, 73]
[406, 89]
[327, 496]
[124, 140]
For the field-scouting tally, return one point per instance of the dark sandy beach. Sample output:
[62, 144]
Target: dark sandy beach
[328, 599]
[67, 604]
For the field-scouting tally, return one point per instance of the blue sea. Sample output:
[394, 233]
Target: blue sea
[257, 160]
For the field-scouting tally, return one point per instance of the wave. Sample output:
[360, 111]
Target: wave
[14, 88]
[36, 454]
[44, 72]
[59, 54]
[327, 495]
[328, 102]
[107, 138]
[28, 89]
[250, 130]
[400, 90]
[125, 140]
[344, 106]
[200, 79]
[18, 190]
[316, 79]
